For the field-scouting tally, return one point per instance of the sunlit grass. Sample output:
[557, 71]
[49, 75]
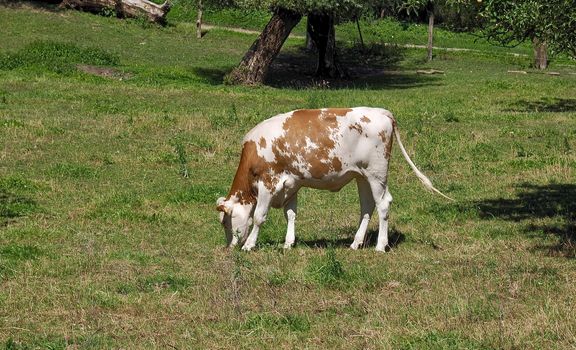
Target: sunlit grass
[104, 243]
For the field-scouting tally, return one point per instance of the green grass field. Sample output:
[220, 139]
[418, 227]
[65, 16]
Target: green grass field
[109, 236]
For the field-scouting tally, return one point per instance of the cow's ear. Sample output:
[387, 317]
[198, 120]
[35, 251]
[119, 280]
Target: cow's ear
[221, 206]
[224, 208]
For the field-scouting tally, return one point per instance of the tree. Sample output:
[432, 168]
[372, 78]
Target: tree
[254, 66]
[430, 6]
[548, 24]
[322, 15]
[323, 33]
[199, 20]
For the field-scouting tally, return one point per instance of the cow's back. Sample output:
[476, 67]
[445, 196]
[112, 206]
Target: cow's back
[323, 144]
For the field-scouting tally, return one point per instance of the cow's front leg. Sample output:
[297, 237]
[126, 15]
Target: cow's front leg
[233, 241]
[290, 215]
[262, 207]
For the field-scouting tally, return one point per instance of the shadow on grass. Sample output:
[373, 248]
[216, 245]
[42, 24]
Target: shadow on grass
[371, 68]
[48, 5]
[212, 76]
[534, 202]
[545, 105]
[13, 206]
[395, 238]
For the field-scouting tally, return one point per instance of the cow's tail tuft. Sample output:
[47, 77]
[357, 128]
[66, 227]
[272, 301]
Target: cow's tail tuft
[425, 181]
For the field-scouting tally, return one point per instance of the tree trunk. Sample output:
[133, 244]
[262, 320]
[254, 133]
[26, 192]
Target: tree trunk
[254, 66]
[540, 54]
[123, 8]
[360, 34]
[430, 10]
[322, 32]
[199, 21]
[310, 46]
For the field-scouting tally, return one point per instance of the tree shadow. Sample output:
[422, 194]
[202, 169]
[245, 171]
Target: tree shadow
[395, 238]
[374, 67]
[212, 76]
[13, 206]
[545, 104]
[534, 203]
[48, 5]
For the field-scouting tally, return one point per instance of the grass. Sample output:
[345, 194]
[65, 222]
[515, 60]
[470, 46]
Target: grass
[105, 244]
[56, 57]
[385, 30]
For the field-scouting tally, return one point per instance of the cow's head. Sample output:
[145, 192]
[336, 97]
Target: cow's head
[236, 219]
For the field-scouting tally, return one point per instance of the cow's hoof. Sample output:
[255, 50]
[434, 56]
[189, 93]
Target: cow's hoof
[247, 247]
[288, 245]
[354, 246]
[381, 249]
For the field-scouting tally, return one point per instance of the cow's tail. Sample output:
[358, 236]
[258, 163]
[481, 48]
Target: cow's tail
[426, 181]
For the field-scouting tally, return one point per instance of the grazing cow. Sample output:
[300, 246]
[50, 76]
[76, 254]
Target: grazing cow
[318, 148]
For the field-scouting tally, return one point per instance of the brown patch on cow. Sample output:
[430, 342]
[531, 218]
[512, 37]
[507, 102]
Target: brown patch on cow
[252, 169]
[356, 126]
[316, 126]
[335, 112]
[388, 141]
[336, 164]
[383, 136]
[242, 185]
[262, 143]
[389, 148]
[365, 119]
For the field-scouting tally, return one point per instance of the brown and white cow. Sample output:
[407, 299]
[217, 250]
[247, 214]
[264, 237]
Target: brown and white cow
[319, 148]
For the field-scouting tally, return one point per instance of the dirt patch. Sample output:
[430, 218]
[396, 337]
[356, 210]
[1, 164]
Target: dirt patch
[105, 72]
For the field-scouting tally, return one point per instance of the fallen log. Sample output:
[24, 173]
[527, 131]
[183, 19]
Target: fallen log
[430, 71]
[123, 8]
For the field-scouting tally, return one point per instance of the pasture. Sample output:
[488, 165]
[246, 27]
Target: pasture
[109, 236]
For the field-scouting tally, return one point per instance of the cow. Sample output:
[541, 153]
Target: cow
[317, 148]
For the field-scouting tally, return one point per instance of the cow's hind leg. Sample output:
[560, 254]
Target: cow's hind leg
[383, 198]
[366, 209]
[290, 215]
